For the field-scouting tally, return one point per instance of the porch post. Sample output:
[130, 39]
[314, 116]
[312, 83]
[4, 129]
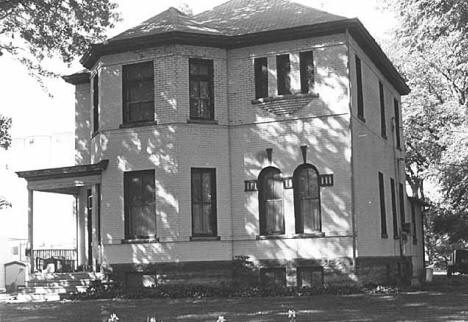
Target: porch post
[31, 227]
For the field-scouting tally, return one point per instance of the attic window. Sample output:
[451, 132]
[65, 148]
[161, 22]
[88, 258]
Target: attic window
[283, 70]
[138, 92]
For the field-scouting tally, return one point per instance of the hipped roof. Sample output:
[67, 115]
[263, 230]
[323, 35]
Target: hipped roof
[240, 23]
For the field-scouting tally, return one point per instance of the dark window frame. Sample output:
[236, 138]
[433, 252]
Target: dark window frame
[310, 269]
[128, 84]
[279, 278]
[307, 72]
[401, 197]
[283, 74]
[383, 211]
[96, 103]
[360, 97]
[263, 201]
[383, 124]
[196, 114]
[129, 175]
[396, 233]
[396, 111]
[261, 77]
[299, 217]
[413, 219]
[213, 220]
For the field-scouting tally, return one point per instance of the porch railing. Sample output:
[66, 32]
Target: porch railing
[63, 259]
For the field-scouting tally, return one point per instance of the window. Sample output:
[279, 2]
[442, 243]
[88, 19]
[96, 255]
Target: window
[96, 103]
[306, 199]
[401, 193]
[15, 250]
[383, 214]
[204, 202]
[261, 77]
[394, 209]
[201, 89]
[307, 72]
[138, 92]
[270, 200]
[310, 276]
[139, 199]
[283, 70]
[360, 100]
[413, 219]
[383, 126]
[396, 107]
[273, 276]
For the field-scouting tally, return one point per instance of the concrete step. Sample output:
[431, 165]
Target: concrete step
[66, 276]
[53, 290]
[49, 297]
[57, 283]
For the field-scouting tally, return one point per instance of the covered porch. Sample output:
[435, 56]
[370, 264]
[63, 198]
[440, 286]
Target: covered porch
[83, 182]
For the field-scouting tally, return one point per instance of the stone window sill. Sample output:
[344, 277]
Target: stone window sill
[295, 236]
[204, 238]
[140, 241]
[283, 98]
[197, 121]
[137, 124]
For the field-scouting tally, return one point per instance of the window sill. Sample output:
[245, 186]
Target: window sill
[140, 241]
[384, 236]
[362, 119]
[264, 237]
[309, 235]
[204, 238]
[283, 97]
[396, 237]
[137, 124]
[195, 121]
[93, 135]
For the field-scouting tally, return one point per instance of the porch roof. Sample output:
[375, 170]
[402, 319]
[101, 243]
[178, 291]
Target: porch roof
[64, 179]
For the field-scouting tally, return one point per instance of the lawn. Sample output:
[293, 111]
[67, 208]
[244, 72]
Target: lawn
[442, 300]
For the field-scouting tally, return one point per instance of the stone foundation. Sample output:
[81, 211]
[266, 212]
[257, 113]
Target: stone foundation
[384, 270]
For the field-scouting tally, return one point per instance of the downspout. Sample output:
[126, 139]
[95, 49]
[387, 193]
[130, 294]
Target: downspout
[353, 195]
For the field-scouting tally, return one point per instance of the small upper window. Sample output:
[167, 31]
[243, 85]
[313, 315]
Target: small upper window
[396, 108]
[283, 70]
[383, 125]
[360, 99]
[261, 77]
[138, 92]
[307, 72]
[96, 103]
[201, 89]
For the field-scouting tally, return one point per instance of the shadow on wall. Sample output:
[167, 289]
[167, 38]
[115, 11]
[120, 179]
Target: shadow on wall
[317, 125]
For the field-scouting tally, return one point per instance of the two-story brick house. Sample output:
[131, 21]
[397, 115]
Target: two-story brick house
[259, 128]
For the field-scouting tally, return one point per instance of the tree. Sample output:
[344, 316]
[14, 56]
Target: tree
[31, 31]
[431, 50]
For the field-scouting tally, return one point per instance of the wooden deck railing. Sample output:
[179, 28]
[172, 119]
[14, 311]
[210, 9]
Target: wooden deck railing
[67, 258]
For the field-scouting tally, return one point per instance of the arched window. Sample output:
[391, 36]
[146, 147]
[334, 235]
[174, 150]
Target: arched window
[307, 199]
[270, 201]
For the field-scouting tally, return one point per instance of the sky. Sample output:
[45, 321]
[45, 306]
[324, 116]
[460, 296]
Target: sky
[35, 113]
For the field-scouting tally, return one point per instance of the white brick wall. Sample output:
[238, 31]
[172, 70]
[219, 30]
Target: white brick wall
[235, 147]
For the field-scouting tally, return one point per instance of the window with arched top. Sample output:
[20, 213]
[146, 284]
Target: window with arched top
[270, 200]
[307, 199]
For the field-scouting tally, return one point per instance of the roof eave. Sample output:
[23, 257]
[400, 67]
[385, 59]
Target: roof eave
[77, 78]
[355, 27]
[64, 172]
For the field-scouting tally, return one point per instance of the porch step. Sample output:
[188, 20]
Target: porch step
[50, 286]
[53, 289]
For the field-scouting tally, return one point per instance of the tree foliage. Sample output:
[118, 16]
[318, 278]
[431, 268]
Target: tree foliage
[431, 50]
[32, 30]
